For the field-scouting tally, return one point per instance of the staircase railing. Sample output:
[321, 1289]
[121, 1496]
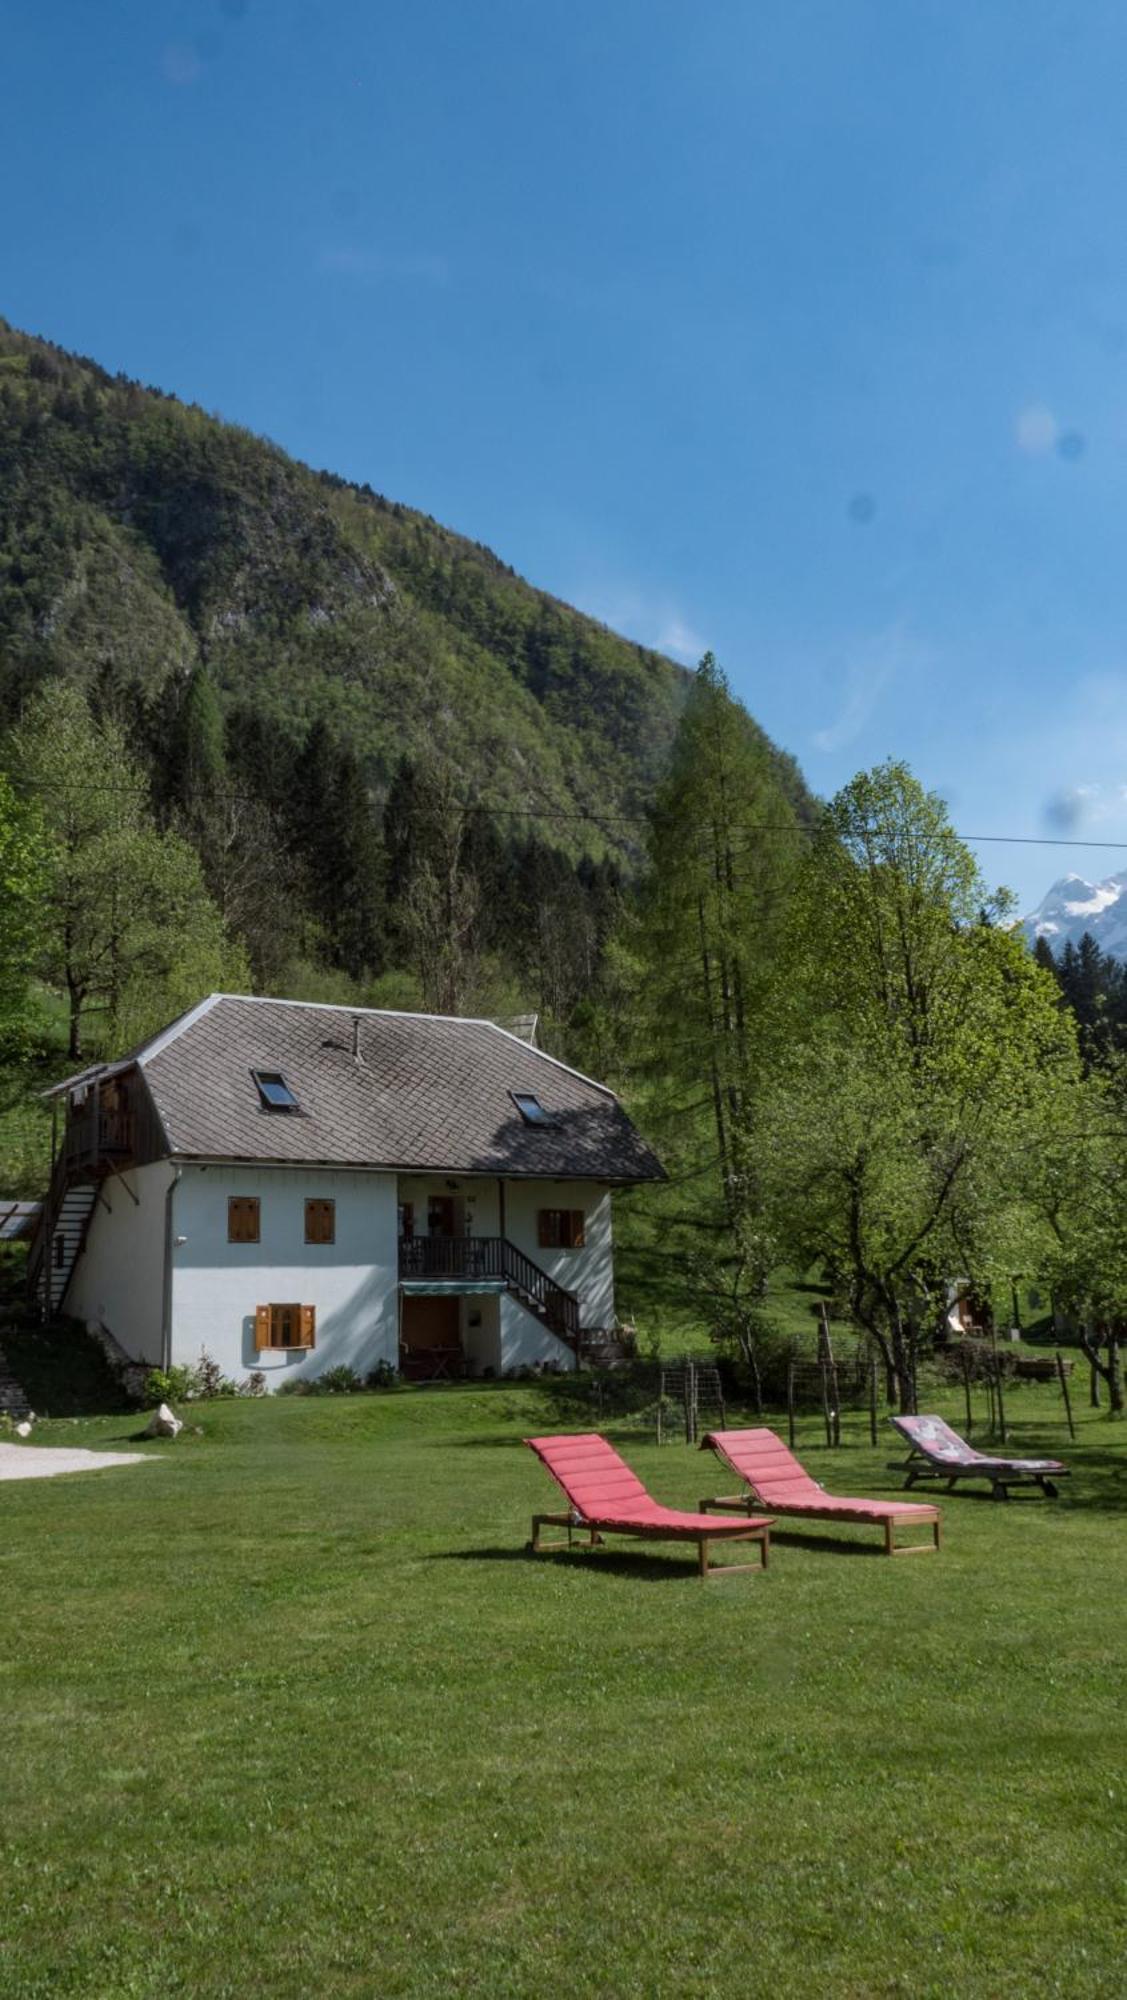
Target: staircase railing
[41, 1247]
[492, 1257]
[560, 1307]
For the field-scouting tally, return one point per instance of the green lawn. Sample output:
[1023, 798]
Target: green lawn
[291, 1713]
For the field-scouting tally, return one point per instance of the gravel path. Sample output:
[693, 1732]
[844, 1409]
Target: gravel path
[32, 1461]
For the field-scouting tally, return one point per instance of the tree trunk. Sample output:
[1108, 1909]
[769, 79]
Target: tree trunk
[1111, 1369]
[74, 1026]
[1114, 1374]
[902, 1366]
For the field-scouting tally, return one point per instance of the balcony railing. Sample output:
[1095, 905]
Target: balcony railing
[96, 1133]
[492, 1257]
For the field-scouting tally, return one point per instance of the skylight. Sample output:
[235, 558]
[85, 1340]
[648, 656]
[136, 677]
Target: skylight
[274, 1091]
[531, 1109]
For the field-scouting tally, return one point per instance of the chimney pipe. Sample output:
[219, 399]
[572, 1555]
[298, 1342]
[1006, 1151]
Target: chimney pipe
[356, 1055]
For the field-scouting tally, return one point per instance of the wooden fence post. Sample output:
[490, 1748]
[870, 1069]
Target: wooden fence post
[790, 1398]
[998, 1375]
[964, 1357]
[1063, 1380]
[834, 1426]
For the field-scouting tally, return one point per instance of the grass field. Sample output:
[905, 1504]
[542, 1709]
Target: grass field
[291, 1712]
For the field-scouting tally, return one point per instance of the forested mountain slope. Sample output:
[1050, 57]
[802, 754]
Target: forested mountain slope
[140, 537]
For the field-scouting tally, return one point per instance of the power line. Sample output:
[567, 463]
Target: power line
[789, 828]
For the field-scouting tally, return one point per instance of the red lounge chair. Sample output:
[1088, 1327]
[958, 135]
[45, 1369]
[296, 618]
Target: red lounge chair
[938, 1452]
[775, 1479]
[606, 1498]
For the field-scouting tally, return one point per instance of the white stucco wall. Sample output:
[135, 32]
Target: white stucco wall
[515, 1339]
[119, 1278]
[353, 1282]
[588, 1272]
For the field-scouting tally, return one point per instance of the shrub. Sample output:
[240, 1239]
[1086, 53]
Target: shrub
[210, 1380]
[255, 1384]
[183, 1384]
[340, 1381]
[168, 1385]
[382, 1376]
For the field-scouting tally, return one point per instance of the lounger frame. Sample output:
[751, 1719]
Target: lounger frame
[759, 1532]
[918, 1468]
[746, 1503]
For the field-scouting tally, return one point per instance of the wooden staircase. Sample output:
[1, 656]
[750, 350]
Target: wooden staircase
[60, 1235]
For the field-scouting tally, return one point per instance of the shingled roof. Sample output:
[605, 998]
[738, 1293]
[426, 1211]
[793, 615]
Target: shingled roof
[427, 1092]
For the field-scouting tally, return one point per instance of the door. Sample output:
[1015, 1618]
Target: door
[430, 1339]
[440, 1215]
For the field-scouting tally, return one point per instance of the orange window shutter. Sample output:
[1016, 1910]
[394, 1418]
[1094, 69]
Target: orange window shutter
[309, 1326]
[261, 1328]
[578, 1229]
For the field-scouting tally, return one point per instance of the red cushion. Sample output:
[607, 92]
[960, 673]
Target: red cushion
[606, 1494]
[777, 1479]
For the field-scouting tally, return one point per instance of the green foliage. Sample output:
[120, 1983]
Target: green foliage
[169, 1385]
[338, 1381]
[194, 1382]
[918, 1053]
[1094, 986]
[689, 985]
[23, 862]
[125, 926]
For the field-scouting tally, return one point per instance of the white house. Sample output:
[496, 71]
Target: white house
[289, 1187]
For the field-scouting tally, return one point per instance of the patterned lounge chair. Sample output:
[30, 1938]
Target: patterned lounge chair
[606, 1498]
[938, 1452]
[773, 1478]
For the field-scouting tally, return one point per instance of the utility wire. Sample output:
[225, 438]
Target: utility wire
[19, 781]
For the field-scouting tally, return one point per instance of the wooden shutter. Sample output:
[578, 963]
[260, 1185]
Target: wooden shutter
[242, 1218]
[262, 1335]
[309, 1326]
[320, 1221]
[545, 1233]
[577, 1235]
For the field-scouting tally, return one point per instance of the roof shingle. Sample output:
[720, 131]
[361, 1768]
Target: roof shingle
[428, 1092]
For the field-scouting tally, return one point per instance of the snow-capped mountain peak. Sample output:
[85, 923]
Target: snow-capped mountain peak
[1074, 905]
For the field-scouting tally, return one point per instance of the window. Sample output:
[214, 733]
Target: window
[407, 1221]
[530, 1108]
[274, 1091]
[561, 1229]
[320, 1222]
[242, 1218]
[285, 1326]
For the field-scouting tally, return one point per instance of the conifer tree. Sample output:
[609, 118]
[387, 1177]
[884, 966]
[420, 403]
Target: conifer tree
[724, 844]
[336, 834]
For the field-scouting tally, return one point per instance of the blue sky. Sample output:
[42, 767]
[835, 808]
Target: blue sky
[796, 328]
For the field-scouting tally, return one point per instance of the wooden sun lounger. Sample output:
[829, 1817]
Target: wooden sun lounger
[606, 1498]
[938, 1452]
[774, 1478]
